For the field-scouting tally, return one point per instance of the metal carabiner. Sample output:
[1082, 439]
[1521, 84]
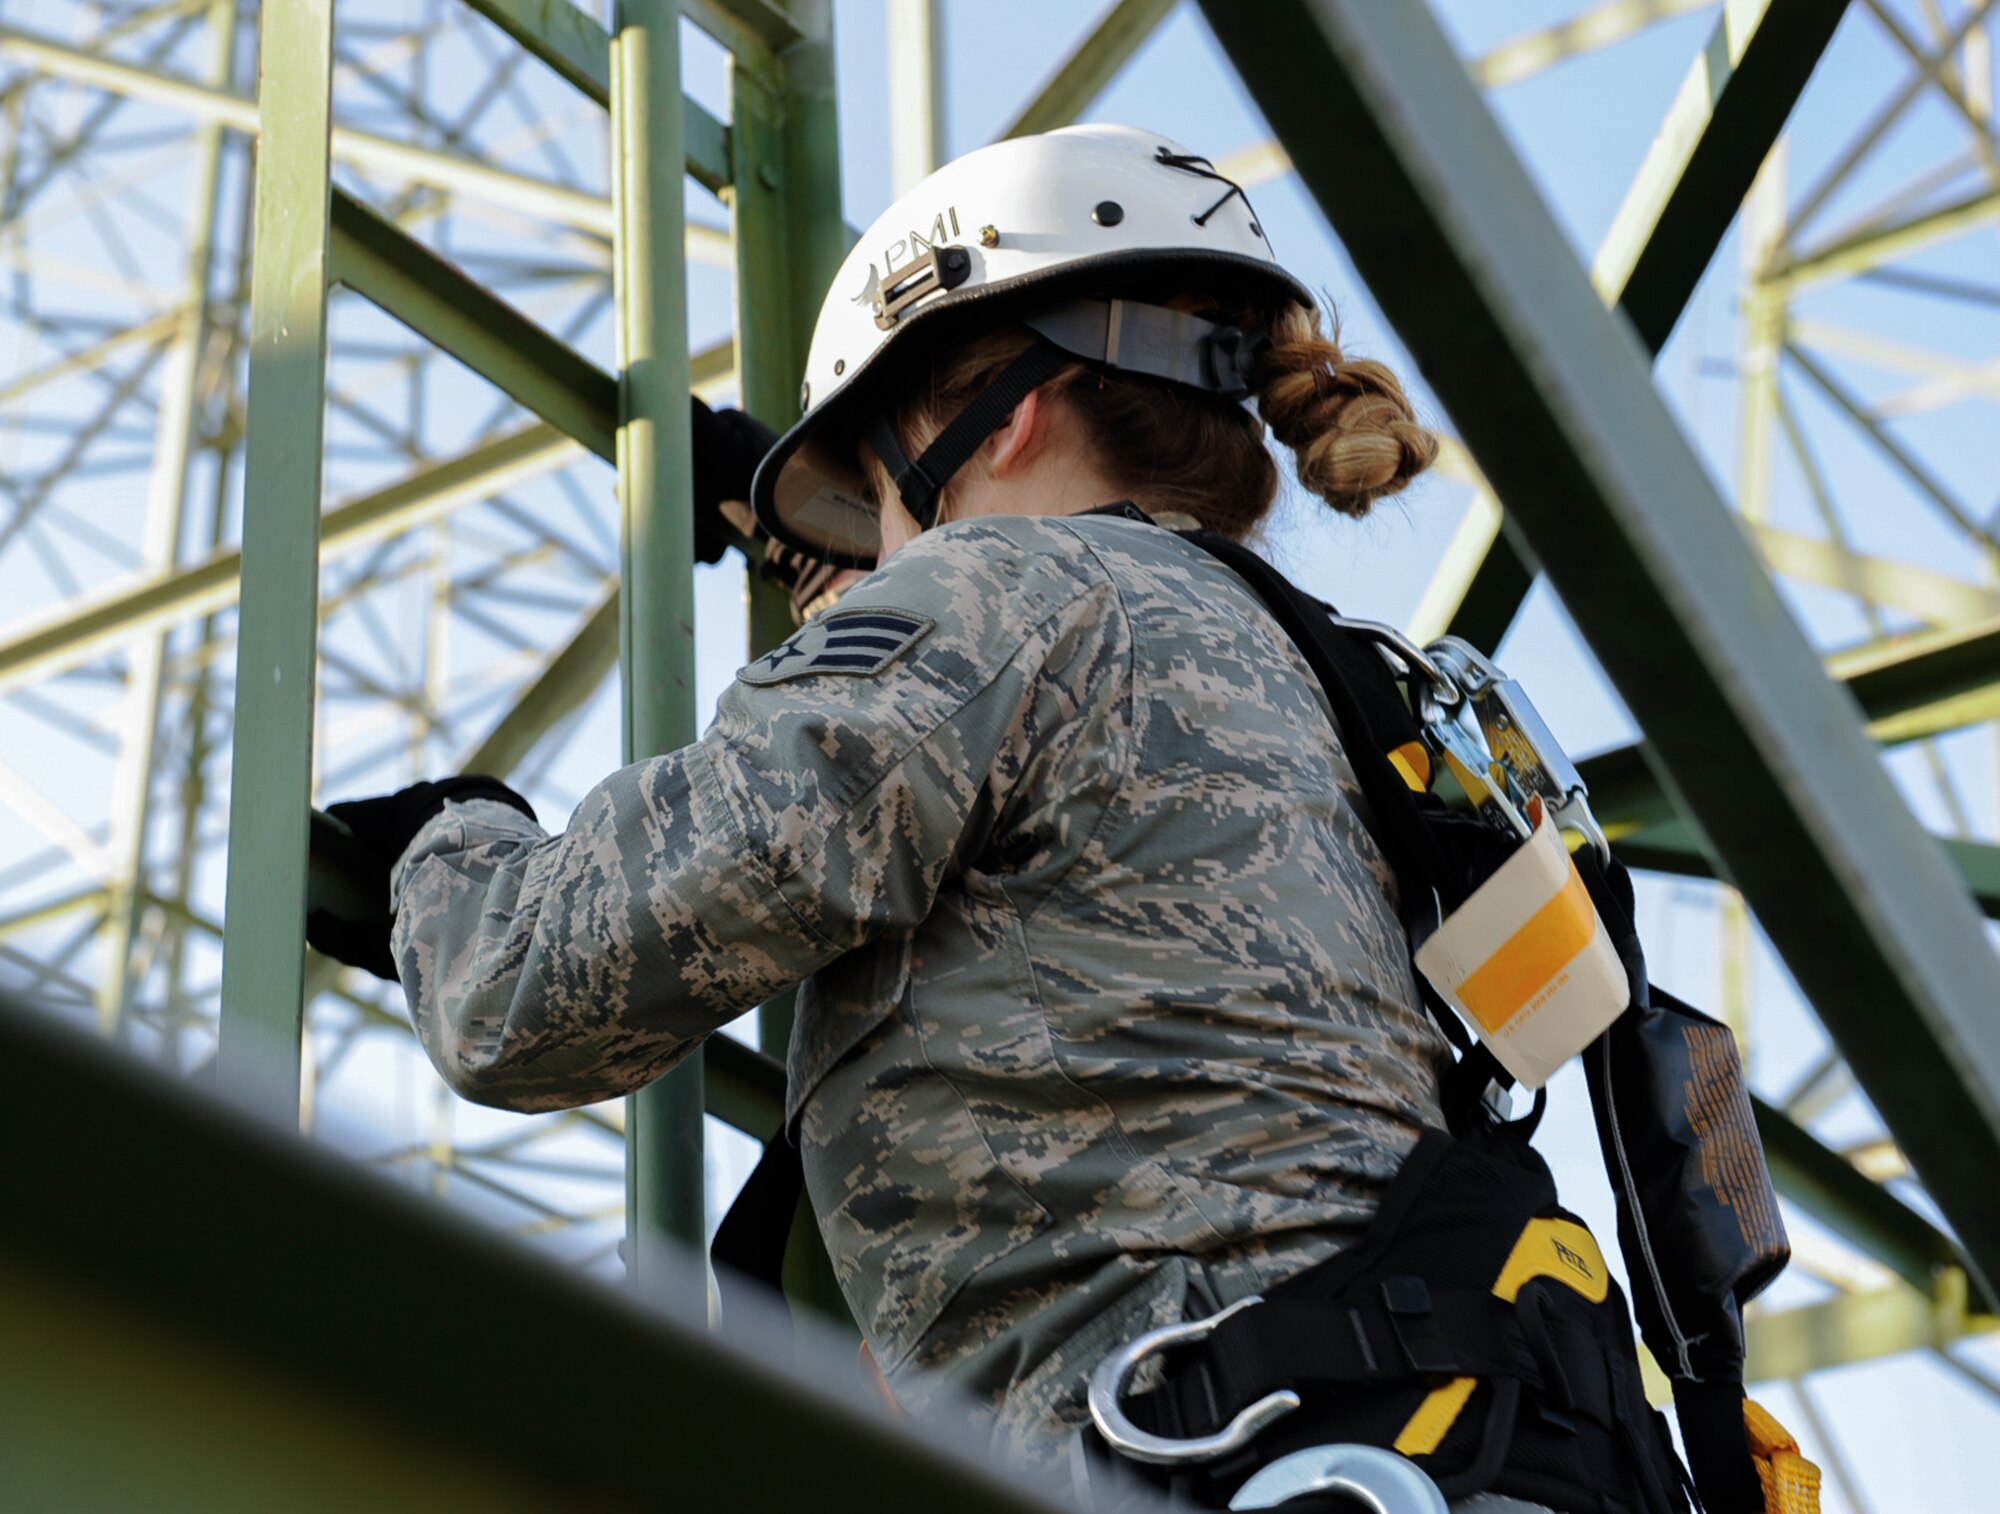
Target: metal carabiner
[1396, 647]
[1522, 747]
[1380, 1481]
[1107, 1387]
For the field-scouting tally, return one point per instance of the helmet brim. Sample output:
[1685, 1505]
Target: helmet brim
[810, 492]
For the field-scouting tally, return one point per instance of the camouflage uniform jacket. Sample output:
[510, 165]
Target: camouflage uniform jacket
[1107, 1016]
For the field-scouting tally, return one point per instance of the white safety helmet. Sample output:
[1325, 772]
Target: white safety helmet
[1069, 233]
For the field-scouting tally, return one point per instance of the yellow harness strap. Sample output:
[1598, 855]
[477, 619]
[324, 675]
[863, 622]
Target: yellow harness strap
[1413, 764]
[1791, 1483]
[1558, 1249]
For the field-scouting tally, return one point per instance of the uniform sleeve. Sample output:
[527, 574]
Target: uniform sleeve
[826, 806]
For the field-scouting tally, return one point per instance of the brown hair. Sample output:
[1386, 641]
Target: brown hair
[1353, 434]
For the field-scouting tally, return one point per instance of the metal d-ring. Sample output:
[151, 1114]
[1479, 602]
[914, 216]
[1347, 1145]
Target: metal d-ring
[1107, 1387]
[1377, 1479]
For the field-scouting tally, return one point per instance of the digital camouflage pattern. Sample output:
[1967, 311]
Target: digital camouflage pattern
[1109, 1018]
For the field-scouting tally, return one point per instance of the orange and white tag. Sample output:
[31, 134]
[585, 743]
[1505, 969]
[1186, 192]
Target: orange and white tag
[1527, 961]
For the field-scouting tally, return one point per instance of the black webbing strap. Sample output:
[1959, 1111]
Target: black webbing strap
[920, 483]
[1373, 721]
[751, 1240]
[1399, 828]
[1386, 1338]
[1369, 1346]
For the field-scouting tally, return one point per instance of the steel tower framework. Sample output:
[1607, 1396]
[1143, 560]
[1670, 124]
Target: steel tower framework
[475, 257]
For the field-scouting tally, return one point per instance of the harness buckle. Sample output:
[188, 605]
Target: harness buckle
[1108, 1383]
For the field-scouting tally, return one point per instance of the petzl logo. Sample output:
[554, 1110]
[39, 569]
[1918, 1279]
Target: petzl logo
[1570, 1259]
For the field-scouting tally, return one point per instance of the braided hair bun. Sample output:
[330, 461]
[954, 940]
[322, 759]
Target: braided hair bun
[1348, 423]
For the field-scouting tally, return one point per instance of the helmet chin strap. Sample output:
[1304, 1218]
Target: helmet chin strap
[1120, 334]
[920, 483]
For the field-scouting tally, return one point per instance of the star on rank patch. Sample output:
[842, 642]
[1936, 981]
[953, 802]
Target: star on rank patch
[857, 642]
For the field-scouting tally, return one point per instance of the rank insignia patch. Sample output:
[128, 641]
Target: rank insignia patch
[858, 642]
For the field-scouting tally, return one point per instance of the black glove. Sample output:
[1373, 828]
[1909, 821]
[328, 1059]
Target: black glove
[347, 906]
[728, 446]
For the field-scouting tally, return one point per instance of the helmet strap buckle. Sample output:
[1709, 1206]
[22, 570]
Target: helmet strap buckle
[934, 269]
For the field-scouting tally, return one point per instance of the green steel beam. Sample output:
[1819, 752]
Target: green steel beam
[176, 436]
[1852, 1205]
[108, 1406]
[1554, 397]
[750, 29]
[216, 1230]
[1732, 104]
[1081, 77]
[746, 1088]
[771, 335]
[1907, 690]
[563, 37]
[789, 240]
[664, 1166]
[1586, 31]
[706, 141]
[488, 469]
[815, 234]
[442, 170]
[387, 266]
[1876, 245]
[1914, 687]
[1855, 1327]
[1922, 684]
[706, 138]
[1672, 847]
[1937, 599]
[270, 792]
[579, 50]
[916, 92]
[1904, 460]
[565, 682]
[1729, 110]
[149, 333]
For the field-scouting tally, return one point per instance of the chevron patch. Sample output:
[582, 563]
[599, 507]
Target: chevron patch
[857, 643]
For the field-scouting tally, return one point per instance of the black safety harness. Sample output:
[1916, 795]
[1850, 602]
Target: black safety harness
[1421, 1336]
[1554, 1410]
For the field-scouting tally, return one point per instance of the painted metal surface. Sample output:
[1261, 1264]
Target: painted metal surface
[217, 579]
[1730, 107]
[427, 293]
[526, 1368]
[1554, 398]
[271, 772]
[664, 1180]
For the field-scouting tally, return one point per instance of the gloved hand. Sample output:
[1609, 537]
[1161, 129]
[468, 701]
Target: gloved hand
[728, 445]
[379, 831]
